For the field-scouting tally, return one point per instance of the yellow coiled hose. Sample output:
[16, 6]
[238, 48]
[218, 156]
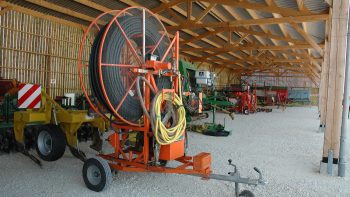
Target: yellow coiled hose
[174, 110]
[172, 134]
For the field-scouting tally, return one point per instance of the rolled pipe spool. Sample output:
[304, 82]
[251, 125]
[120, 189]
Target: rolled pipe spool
[121, 45]
[111, 49]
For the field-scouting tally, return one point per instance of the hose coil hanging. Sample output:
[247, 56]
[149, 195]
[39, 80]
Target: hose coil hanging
[175, 114]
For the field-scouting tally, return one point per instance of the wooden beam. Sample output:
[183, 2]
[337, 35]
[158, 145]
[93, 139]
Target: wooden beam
[236, 16]
[305, 55]
[165, 6]
[199, 37]
[252, 47]
[247, 31]
[41, 15]
[189, 10]
[308, 38]
[301, 7]
[211, 42]
[263, 21]
[241, 4]
[336, 77]
[205, 12]
[221, 52]
[287, 76]
[63, 10]
[324, 76]
[267, 35]
[251, 59]
[173, 14]
[265, 29]
[93, 5]
[5, 10]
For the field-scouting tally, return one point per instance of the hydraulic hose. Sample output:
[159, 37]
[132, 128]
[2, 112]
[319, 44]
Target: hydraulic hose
[175, 113]
[164, 134]
[138, 91]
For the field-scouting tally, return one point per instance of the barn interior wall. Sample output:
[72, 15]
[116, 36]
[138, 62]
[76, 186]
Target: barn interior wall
[225, 76]
[35, 50]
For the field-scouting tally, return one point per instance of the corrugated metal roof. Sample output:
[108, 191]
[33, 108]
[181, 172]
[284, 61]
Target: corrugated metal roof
[47, 11]
[316, 5]
[77, 7]
[224, 13]
[112, 4]
[287, 4]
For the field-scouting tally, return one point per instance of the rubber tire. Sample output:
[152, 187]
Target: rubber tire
[105, 171]
[246, 193]
[246, 112]
[58, 142]
[163, 163]
[258, 110]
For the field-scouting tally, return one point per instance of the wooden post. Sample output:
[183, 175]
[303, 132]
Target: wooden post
[324, 78]
[47, 72]
[337, 59]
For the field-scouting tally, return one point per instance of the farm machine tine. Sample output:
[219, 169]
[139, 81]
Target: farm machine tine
[77, 153]
[25, 152]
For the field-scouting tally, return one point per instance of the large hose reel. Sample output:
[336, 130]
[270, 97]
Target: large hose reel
[131, 46]
[130, 77]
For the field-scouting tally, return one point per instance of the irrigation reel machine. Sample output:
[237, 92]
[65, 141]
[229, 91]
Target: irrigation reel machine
[135, 84]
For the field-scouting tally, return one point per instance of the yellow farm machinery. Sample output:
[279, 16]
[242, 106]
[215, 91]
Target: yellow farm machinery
[48, 128]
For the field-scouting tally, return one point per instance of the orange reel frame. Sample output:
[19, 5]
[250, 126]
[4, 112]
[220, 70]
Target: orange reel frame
[131, 160]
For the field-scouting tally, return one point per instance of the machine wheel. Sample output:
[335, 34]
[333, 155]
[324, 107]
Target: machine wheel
[246, 193]
[50, 143]
[258, 110]
[97, 174]
[246, 111]
[163, 163]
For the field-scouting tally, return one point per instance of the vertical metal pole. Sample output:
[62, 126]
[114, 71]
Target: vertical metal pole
[144, 35]
[345, 116]
[330, 162]
[214, 108]
[237, 189]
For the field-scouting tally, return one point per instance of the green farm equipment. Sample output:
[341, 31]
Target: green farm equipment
[193, 103]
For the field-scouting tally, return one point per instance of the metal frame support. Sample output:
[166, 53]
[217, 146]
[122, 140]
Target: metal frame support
[330, 162]
[345, 116]
[143, 35]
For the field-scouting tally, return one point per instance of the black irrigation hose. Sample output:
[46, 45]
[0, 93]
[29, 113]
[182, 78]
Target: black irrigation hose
[112, 76]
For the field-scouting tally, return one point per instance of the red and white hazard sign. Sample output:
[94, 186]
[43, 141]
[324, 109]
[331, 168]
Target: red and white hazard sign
[29, 96]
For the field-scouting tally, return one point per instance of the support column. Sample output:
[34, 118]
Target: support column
[342, 166]
[335, 90]
[322, 104]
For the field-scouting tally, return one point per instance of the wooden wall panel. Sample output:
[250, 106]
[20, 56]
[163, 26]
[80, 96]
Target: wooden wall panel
[35, 50]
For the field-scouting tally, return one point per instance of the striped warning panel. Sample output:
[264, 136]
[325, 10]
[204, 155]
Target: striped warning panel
[29, 96]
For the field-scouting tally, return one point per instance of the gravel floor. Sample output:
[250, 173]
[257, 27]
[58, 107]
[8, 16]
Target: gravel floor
[284, 145]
